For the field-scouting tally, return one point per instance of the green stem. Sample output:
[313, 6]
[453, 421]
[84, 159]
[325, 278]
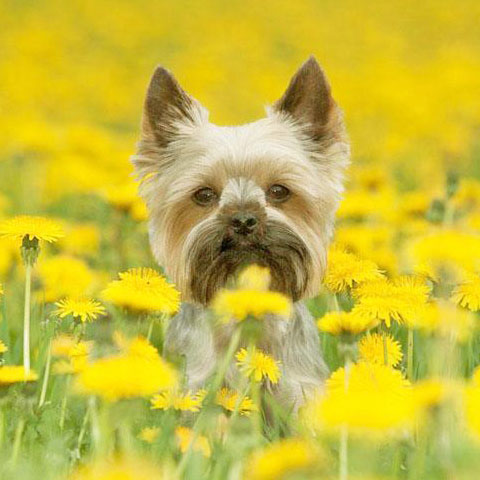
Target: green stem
[83, 430]
[46, 376]
[26, 318]
[410, 355]
[150, 329]
[63, 410]
[343, 450]
[17, 440]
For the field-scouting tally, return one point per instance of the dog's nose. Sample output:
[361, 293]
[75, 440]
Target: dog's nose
[244, 223]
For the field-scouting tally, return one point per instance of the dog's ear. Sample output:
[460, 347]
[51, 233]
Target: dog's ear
[309, 101]
[166, 104]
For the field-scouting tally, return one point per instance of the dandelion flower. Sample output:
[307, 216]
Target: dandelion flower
[185, 437]
[126, 376]
[143, 289]
[345, 323]
[138, 346]
[228, 400]
[286, 457]
[177, 401]
[401, 299]
[345, 270]
[83, 239]
[3, 348]
[1, 290]
[240, 304]
[254, 277]
[68, 346]
[39, 228]
[120, 469]
[376, 402]
[257, 365]
[467, 294]
[83, 309]
[14, 374]
[149, 434]
[371, 349]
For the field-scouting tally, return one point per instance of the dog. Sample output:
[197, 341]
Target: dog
[222, 197]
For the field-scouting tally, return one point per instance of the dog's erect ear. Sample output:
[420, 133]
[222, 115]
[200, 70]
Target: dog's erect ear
[309, 101]
[165, 104]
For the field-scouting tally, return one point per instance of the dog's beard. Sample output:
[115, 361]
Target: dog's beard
[213, 258]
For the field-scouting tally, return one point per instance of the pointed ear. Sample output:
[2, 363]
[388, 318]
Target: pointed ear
[165, 105]
[308, 100]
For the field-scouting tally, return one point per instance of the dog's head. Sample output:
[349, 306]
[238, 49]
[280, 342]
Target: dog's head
[223, 197]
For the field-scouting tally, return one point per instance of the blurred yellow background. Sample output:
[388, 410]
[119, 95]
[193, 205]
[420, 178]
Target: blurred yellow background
[73, 76]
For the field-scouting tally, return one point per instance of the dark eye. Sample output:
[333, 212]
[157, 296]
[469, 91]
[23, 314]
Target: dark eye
[204, 196]
[278, 193]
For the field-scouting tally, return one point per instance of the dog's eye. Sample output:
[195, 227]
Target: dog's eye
[204, 196]
[278, 193]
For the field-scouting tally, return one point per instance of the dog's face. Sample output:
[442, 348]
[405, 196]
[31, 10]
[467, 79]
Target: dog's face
[223, 197]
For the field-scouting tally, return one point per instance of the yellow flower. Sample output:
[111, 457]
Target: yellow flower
[83, 309]
[68, 346]
[143, 289]
[254, 277]
[65, 276]
[126, 376]
[446, 252]
[13, 374]
[345, 323]
[377, 401]
[468, 294]
[257, 365]
[432, 392]
[149, 434]
[177, 401]
[3, 347]
[401, 299]
[121, 469]
[121, 196]
[39, 228]
[345, 270]
[83, 239]
[185, 437]
[228, 400]
[240, 304]
[1, 290]
[137, 346]
[285, 457]
[371, 349]
[445, 319]
[472, 409]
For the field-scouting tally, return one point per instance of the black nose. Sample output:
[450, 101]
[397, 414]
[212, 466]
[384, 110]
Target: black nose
[244, 223]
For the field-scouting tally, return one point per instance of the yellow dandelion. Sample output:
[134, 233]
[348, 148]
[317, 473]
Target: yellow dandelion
[64, 276]
[149, 434]
[401, 299]
[143, 289]
[121, 469]
[257, 365]
[290, 456]
[1, 290]
[376, 402]
[240, 304]
[121, 196]
[82, 309]
[126, 376]
[67, 346]
[3, 347]
[177, 401]
[254, 277]
[83, 239]
[137, 346]
[185, 437]
[10, 374]
[39, 228]
[346, 270]
[345, 323]
[433, 392]
[467, 294]
[445, 319]
[371, 349]
[228, 399]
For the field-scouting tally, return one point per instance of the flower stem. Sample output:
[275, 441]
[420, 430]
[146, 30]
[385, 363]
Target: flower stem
[46, 376]
[26, 318]
[410, 355]
[17, 440]
[150, 329]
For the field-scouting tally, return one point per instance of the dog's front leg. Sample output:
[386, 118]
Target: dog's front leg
[190, 335]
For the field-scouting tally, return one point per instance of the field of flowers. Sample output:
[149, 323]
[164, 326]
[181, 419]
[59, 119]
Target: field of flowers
[86, 391]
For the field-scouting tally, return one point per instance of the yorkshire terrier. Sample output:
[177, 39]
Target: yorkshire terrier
[222, 197]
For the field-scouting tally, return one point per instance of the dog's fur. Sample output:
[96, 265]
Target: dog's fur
[301, 144]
